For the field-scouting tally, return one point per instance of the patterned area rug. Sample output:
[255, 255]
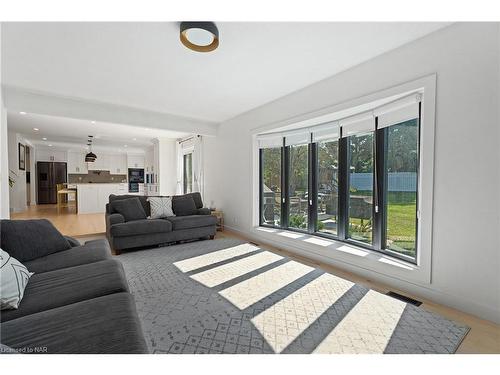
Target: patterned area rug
[227, 296]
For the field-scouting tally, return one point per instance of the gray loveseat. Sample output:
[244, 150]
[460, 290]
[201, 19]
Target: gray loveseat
[124, 235]
[77, 301]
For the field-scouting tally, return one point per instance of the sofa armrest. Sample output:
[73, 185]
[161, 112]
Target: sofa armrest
[203, 211]
[114, 219]
[72, 241]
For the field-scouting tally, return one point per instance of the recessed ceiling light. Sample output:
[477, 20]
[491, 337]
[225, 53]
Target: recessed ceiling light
[44, 138]
[93, 122]
[22, 113]
[36, 129]
[50, 145]
[199, 36]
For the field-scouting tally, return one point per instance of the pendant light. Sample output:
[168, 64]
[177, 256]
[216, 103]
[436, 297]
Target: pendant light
[199, 36]
[90, 157]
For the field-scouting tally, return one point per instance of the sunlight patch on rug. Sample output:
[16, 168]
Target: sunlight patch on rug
[253, 290]
[286, 320]
[229, 271]
[367, 328]
[204, 260]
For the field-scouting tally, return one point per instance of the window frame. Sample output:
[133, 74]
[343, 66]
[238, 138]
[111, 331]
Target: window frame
[379, 213]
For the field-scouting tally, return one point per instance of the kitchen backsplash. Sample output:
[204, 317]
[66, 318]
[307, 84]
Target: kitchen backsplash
[97, 177]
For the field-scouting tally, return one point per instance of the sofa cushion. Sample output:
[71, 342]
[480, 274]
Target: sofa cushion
[192, 221]
[143, 199]
[196, 197]
[92, 251]
[160, 207]
[184, 206]
[62, 287]
[131, 209]
[30, 239]
[14, 277]
[103, 325]
[145, 226]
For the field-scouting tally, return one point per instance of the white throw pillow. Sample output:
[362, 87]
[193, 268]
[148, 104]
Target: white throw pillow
[160, 207]
[14, 277]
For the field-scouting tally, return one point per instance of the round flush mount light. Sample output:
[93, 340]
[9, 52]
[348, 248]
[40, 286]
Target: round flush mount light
[199, 36]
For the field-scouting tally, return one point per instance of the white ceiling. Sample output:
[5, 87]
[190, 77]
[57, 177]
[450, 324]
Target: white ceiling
[144, 65]
[72, 134]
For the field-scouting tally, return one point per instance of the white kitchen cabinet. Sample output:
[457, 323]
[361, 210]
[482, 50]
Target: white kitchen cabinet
[135, 161]
[102, 163]
[48, 154]
[118, 164]
[76, 163]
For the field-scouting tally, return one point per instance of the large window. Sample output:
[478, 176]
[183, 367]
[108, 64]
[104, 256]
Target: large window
[401, 187]
[360, 187]
[354, 180]
[188, 173]
[298, 188]
[328, 187]
[270, 212]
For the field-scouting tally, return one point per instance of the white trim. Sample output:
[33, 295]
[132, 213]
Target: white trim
[422, 272]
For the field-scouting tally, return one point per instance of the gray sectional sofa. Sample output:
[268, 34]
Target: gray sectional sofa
[124, 234]
[77, 301]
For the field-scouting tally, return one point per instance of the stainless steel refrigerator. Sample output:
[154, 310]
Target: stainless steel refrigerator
[49, 174]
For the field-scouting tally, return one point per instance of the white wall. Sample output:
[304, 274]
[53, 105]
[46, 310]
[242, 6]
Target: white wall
[465, 57]
[17, 193]
[167, 166]
[4, 164]
[211, 172]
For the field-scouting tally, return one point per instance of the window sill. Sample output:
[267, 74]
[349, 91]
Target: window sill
[331, 250]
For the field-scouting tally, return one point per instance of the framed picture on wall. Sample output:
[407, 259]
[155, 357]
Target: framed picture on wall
[22, 157]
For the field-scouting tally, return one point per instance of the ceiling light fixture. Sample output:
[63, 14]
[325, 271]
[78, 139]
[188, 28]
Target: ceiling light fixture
[44, 138]
[199, 36]
[93, 122]
[22, 113]
[36, 129]
[50, 145]
[90, 157]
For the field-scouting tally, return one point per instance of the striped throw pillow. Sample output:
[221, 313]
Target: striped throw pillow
[160, 207]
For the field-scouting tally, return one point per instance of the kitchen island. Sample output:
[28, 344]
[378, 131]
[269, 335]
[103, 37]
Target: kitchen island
[92, 197]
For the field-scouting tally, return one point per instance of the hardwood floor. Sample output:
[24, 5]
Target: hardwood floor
[65, 219]
[484, 336]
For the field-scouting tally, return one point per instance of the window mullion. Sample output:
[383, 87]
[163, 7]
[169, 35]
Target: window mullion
[284, 185]
[379, 196]
[343, 183]
[313, 187]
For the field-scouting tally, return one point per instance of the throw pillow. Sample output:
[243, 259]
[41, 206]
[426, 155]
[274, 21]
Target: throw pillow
[160, 207]
[184, 206]
[30, 239]
[14, 277]
[130, 208]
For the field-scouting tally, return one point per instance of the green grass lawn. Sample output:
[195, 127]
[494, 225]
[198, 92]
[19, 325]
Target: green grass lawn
[401, 223]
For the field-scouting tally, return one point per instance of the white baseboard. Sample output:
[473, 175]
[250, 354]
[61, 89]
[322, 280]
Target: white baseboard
[457, 302]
